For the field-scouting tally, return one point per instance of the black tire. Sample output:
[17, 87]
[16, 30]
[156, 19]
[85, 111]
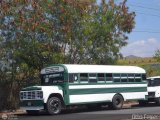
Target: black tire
[117, 102]
[142, 102]
[32, 112]
[54, 106]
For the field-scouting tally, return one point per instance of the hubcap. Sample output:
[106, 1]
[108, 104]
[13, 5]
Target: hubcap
[54, 106]
[117, 101]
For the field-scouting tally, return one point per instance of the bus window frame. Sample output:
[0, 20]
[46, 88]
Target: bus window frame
[83, 82]
[89, 77]
[74, 82]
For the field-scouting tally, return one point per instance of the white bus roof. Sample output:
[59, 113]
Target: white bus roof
[76, 68]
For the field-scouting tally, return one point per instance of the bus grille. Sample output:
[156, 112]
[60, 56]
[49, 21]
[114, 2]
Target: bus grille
[31, 95]
[151, 94]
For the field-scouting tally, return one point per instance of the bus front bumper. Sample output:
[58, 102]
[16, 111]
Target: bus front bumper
[32, 104]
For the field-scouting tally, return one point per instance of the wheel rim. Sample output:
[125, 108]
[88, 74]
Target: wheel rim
[118, 102]
[55, 106]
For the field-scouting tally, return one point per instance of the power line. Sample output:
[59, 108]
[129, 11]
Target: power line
[145, 31]
[155, 9]
[140, 6]
[144, 5]
[147, 14]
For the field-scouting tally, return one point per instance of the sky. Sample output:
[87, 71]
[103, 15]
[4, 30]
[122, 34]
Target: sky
[144, 40]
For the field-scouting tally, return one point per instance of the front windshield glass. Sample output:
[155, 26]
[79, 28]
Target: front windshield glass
[54, 78]
[154, 82]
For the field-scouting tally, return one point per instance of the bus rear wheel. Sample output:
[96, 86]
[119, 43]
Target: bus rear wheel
[117, 102]
[54, 105]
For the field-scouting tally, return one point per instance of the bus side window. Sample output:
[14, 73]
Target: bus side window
[73, 78]
[138, 77]
[144, 77]
[109, 77]
[117, 77]
[101, 77]
[124, 78]
[130, 77]
[84, 77]
[92, 78]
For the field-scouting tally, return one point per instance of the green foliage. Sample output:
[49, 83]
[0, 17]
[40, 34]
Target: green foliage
[45, 32]
[104, 32]
[152, 69]
[137, 61]
[150, 64]
[157, 55]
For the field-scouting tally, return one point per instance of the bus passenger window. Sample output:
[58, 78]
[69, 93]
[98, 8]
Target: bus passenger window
[143, 76]
[109, 77]
[92, 78]
[130, 77]
[138, 77]
[124, 78]
[101, 77]
[117, 77]
[73, 78]
[84, 77]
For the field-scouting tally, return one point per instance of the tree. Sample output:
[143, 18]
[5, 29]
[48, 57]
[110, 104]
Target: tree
[35, 33]
[45, 32]
[157, 55]
[106, 31]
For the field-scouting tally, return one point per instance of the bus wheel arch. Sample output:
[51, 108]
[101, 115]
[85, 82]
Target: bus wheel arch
[117, 101]
[54, 104]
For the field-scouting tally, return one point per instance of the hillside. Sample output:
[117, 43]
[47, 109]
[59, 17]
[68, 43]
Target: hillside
[131, 57]
[151, 65]
[134, 60]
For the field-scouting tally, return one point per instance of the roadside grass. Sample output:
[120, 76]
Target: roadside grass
[137, 61]
[150, 64]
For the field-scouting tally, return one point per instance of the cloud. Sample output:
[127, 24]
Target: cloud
[141, 48]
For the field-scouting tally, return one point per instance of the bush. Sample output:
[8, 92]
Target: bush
[10, 87]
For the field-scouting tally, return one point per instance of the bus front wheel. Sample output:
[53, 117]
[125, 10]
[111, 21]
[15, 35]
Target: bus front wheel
[54, 105]
[117, 102]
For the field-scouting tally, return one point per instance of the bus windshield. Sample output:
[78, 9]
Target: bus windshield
[154, 82]
[53, 78]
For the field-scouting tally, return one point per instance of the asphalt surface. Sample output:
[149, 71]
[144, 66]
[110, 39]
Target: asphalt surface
[150, 112]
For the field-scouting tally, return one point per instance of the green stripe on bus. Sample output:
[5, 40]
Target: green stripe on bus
[106, 90]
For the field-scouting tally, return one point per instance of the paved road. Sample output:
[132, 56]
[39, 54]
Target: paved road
[100, 114]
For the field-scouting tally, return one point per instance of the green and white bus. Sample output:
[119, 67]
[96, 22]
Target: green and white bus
[65, 85]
